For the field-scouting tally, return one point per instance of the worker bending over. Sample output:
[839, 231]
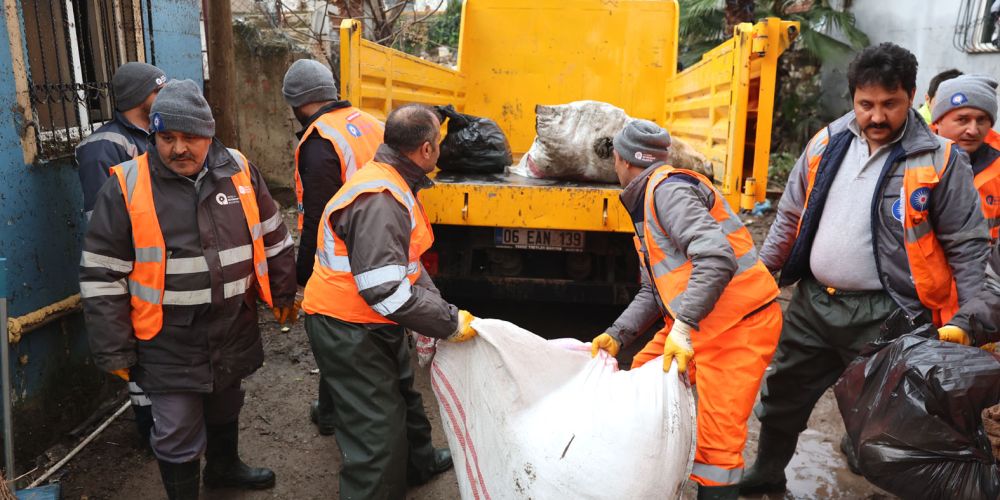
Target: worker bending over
[367, 288]
[701, 274]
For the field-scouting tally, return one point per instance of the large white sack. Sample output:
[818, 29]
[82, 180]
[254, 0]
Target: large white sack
[573, 141]
[531, 418]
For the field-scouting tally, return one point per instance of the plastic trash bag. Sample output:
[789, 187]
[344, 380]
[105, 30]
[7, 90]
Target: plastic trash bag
[574, 141]
[912, 408]
[473, 144]
[533, 418]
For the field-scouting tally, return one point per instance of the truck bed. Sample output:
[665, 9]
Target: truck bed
[510, 200]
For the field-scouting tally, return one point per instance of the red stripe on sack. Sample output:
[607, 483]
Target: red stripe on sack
[461, 413]
[458, 433]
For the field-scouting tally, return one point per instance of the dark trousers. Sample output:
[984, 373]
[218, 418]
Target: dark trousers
[381, 427]
[822, 333]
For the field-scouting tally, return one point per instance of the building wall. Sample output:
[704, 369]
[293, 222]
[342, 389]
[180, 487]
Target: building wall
[41, 225]
[924, 28]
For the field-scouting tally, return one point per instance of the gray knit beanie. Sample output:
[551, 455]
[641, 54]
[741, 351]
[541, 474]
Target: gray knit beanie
[133, 82]
[308, 81]
[966, 91]
[180, 107]
[642, 143]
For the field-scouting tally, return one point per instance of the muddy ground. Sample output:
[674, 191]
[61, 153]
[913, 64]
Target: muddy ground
[276, 431]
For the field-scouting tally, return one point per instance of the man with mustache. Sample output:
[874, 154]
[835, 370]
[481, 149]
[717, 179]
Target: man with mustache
[879, 215]
[124, 137]
[183, 241]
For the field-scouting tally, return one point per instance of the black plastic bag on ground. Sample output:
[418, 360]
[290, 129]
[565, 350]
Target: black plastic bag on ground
[473, 144]
[912, 408]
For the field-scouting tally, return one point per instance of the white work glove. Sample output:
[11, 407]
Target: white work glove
[678, 346]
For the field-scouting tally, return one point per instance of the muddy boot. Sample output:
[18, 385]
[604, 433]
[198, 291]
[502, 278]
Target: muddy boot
[848, 450]
[181, 481]
[729, 492]
[321, 421]
[767, 475]
[223, 467]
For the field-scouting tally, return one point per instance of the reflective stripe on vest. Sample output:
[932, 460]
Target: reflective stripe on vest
[146, 280]
[987, 182]
[354, 135]
[751, 286]
[332, 289]
[932, 276]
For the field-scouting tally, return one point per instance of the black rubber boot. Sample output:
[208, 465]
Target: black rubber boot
[767, 475]
[182, 481]
[223, 467]
[848, 450]
[322, 424]
[442, 462]
[729, 492]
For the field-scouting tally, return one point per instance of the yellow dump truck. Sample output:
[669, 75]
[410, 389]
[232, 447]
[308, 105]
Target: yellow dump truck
[509, 237]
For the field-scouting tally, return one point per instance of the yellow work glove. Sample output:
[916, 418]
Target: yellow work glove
[678, 346]
[287, 314]
[991, 347]
[465, 330]
[606, 342]
[952, 333]
[122, 374]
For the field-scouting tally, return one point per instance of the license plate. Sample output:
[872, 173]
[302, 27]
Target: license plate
[539, 239]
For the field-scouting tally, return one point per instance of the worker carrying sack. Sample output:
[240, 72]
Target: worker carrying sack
[527, 417]
[912, 408]
[574, 142]
[473, 144]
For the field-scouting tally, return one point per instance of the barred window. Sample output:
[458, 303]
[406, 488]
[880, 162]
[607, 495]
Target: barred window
[73, 48]
[976, 29]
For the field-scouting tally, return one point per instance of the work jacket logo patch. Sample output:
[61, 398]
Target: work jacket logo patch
[897, 210]
[920, 199]
[224, 199]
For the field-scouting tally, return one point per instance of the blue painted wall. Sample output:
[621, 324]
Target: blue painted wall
[176, 38]
[41, 224]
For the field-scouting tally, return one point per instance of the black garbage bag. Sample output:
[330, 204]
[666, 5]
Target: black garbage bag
[912, 408]
[473, 144]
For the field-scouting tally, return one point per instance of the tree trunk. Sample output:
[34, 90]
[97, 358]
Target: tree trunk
[738, 11]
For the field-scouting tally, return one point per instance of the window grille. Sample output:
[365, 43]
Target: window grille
[73, 49]
[976, 28]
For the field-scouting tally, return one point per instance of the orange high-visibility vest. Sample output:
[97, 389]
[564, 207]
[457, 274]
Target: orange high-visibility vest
[333, 290]
[751, 288]
[148, 275]
[988, 184]
[932, 276]
[354, 135]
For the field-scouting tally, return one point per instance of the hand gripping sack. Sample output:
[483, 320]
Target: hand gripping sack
[531, 418]
[473, 144]
[912, 408]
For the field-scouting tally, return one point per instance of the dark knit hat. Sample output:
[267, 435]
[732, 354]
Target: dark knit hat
[133, 82]
[180, 107]
[642, 143]
[308, 81]
[966, 91]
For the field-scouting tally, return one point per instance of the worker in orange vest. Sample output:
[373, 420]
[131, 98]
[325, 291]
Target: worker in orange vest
[367, 289]
[700, 273]
[183, 241]
[879, 217]
[965, 114]
[336, 140]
